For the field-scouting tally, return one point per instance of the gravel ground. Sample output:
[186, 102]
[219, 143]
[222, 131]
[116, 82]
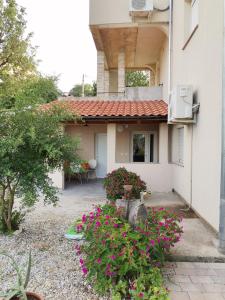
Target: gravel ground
[56, 272]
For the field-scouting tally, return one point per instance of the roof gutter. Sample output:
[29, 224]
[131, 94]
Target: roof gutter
[222, 184]
[125, 118]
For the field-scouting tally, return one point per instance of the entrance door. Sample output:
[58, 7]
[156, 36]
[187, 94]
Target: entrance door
[101, 155]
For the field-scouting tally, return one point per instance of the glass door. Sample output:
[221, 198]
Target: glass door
[144, 147]
[139, 147]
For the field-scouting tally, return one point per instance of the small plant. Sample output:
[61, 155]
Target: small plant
[115, 181]
[19, 290]
[17, 218]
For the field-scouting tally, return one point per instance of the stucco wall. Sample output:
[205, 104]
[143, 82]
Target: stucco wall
[164, 72]
[123, 140]
[157, 176]
[200, 65]
[117, 11]
[86, 135]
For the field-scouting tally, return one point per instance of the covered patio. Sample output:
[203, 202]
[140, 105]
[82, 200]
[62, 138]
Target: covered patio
[130, 134]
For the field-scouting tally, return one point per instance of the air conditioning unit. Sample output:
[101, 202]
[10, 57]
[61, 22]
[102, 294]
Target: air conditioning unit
[141, 7]
[181, 104]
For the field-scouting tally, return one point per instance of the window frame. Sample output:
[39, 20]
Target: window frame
[147, 146]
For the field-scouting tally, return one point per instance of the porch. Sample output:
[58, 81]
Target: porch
[140, 148]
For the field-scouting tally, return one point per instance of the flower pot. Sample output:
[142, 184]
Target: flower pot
[30, 296]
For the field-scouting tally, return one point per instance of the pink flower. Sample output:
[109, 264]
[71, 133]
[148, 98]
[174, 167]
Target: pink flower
[124, 234]
[81, 261]
[99, 210]
[98, 224]
[152, 242]
[106, 223]
[84, 219]
[113, 257]
[107, 217]
[85, 270]
[79, 227]
[116, 225]
[140, 295]
[99, 260]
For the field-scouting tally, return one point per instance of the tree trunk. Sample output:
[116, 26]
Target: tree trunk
[6, 207]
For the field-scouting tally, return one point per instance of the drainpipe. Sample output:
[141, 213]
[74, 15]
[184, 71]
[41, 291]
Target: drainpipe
[170, 48]
[222, 184]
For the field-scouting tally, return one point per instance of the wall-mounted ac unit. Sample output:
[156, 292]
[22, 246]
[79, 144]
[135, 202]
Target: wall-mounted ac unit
[141, 7]
[181, 105]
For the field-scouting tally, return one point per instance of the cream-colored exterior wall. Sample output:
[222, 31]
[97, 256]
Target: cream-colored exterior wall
[157, 176]
[200, 64]
[123, 140]
[86, 136]
[164, 69]
[117, 12]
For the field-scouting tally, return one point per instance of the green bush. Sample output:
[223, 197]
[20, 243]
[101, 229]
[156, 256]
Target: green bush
[114, 182]
[18, 217]
[125, 261]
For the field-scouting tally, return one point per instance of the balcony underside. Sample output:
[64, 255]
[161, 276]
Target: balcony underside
[142, 44]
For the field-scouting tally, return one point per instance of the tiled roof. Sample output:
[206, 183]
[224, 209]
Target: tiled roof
[115, 108]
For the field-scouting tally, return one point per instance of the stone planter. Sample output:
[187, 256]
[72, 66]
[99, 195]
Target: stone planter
[134, 210]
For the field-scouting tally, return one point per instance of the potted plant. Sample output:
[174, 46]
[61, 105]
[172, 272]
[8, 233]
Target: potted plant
[127, 190]
[18, 291]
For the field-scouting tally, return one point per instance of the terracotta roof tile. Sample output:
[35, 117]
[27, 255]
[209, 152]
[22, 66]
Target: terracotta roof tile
[115, 108]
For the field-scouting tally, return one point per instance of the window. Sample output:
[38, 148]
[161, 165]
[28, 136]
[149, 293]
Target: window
[180, 144]
[144, 147]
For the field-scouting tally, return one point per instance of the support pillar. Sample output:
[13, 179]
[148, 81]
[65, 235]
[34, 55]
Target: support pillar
[121, 72]
[100, 73]
[106, 83]
[111, 147]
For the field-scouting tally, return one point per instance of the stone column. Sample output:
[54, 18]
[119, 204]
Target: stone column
[121, 72]
[100, 73]
[106, 83]
[111, 147]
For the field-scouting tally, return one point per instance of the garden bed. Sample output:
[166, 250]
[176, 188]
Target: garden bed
[55, 268]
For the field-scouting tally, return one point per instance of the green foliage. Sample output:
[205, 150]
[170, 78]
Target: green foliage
[122, 260]
[90, 90]
[31, 91]
[32, 144]
[137, 78]
[17, 218]
[114, 182]
[16, 52]
[19, 289]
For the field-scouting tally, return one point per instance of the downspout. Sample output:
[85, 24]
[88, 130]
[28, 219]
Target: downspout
[170, 48]
[222, 183]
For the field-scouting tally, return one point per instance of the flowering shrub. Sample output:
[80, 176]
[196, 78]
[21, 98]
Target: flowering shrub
[115, 181]
[123, 260]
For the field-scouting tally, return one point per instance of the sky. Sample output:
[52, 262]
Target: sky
[65, 45]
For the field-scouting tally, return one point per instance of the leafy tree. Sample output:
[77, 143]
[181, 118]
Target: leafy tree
[90, 90]
[137, 78]
[33, 90]
[16, 52]
[32, 144]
